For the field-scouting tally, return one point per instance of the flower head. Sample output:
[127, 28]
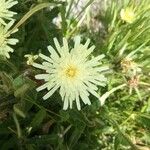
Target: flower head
[5, 41]
[5, 13]
[71, 72]
[31, 58]
[129, 67]
[127, 15]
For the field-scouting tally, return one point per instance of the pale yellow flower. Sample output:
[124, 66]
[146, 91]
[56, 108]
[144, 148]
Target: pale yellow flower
[5, 13]
[5, 40]
[31, 58]
[127, 15]
[72, 72]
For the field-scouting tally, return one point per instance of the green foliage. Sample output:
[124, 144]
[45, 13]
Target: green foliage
[122, 123]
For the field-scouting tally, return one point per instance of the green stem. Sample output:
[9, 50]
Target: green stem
[107, 94]
[17, 125]
[30, 13]
[43, 108]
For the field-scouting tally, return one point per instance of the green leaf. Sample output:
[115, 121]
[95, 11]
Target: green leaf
[18, 110]
[64, 24]
[144, 120]
[4, 129]
[116, 142]
[30, 147]
[9, 144]
[37, 120]
[22, 90]
[19, 81]
[76, 134]
[43, 139]
[6, 80]
[19, 132]
[65, 115]
[21, 85]
[124, 138]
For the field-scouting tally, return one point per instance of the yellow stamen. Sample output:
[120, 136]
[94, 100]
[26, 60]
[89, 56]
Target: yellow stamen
[71, 71]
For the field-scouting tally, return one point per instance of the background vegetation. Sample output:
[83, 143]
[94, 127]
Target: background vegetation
[122, 123]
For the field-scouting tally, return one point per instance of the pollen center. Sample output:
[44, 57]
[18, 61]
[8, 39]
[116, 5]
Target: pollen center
[71, 71]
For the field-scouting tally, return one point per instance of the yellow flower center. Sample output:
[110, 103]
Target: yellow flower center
[71, 71]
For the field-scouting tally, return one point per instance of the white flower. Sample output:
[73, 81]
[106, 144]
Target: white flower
[5, 41]
[5, 13]
[71, 72]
